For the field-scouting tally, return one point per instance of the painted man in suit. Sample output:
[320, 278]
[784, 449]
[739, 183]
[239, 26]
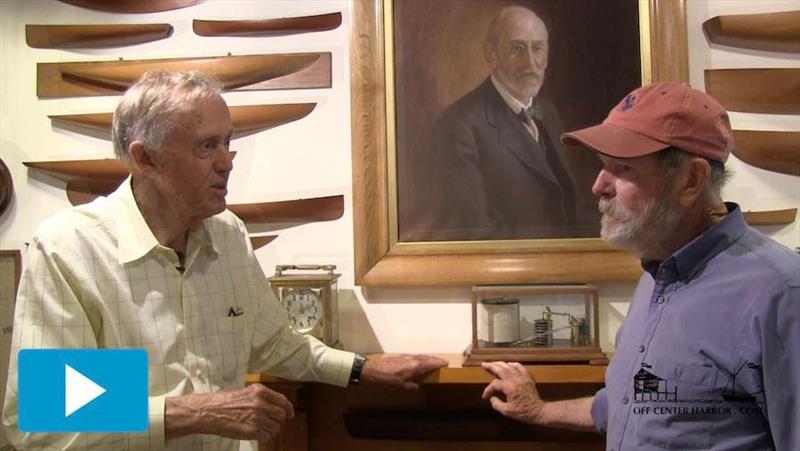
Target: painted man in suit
[495, 170]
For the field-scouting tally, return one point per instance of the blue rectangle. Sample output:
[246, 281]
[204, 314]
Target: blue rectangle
[123, 407]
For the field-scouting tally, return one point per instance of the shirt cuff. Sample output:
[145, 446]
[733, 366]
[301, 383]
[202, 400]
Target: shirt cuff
[600, 411]
[156, 421]
[337, 367]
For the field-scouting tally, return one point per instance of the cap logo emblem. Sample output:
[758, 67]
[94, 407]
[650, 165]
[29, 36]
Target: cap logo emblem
[628, 103]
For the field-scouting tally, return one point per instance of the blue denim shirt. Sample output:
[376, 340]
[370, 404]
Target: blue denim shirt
[708, 356]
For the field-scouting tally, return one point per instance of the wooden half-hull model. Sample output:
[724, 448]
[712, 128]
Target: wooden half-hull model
[88, 179]
[94, 36]
[267, 27]
[775, 151]
[246, 72]
[771, 32]
[132, 6]
[774, 91]
[247, 119]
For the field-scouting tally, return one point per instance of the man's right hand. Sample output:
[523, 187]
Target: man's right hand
[251, 413]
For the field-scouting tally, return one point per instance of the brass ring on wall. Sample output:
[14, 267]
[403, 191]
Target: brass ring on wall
[6, 187]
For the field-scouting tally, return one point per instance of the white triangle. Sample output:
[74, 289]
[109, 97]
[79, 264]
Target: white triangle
[79, 390]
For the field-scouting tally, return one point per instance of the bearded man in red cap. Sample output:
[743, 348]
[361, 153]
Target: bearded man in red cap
[708, 356]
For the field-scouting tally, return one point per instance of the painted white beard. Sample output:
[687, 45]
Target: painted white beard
[637, 232]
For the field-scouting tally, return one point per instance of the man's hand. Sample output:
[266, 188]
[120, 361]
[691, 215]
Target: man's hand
[251, 413]
[402, 370]
[515, 385]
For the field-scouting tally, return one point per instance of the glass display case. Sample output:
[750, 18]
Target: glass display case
[535, 323]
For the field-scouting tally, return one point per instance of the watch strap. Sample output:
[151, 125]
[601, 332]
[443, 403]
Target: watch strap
[358, 366]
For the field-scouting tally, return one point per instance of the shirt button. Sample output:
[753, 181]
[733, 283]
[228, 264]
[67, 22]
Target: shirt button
[641, 348]
[625, 400]
[660, 299]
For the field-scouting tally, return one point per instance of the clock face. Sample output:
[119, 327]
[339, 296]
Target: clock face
[304, 309]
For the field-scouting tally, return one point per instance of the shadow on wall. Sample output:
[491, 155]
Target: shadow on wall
[355, 331]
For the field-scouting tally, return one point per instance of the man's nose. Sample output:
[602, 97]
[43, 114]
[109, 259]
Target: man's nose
[603, 185]
[223, 161]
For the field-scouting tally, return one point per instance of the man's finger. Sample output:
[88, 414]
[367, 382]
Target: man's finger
[428, 363]
[277, 399]
[494, 387]
[499, 369]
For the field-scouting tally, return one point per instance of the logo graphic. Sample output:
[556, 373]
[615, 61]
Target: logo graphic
[83, 390]
[629, 102]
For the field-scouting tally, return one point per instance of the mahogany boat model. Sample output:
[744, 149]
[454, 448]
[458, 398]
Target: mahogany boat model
[247, 119]
[248, 72]
[771, 32]
[756, 90]
[94, 36]
[132, 6]
[267, 27]
[776, 151]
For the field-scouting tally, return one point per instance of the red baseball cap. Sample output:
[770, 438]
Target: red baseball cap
[657, 116]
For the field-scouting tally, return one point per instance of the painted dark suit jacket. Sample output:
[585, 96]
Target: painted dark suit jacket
[487, 178]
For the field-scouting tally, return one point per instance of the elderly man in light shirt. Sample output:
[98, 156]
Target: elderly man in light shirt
[157, 265]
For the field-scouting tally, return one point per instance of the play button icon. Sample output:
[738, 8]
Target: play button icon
[83, 390]
[79, 390]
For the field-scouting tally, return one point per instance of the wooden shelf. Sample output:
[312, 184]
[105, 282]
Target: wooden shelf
[756, 90]
[93, 36]
[247, 119]
[132, 6]
[454, 373]
[770, 150]
[771, 32]
[246, 72]
[267, 27]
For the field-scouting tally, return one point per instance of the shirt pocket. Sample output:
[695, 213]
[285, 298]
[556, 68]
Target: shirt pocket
[233, 346]
[674, 421]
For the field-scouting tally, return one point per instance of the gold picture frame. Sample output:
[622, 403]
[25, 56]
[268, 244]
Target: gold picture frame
[380, 260]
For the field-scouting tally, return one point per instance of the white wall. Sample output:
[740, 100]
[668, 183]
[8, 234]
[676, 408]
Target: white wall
[310, 157]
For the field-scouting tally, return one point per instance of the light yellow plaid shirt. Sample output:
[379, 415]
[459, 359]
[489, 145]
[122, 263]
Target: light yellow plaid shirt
[95, 277]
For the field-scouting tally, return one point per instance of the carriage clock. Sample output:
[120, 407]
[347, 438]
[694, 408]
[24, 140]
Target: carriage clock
[310, 298]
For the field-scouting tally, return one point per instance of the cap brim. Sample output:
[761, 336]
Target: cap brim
[614, 141]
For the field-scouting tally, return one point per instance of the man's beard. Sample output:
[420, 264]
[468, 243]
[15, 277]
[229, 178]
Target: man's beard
[638, 232]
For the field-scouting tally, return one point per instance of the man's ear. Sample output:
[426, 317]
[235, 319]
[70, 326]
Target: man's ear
[490, 54]
[696, 176]
[141, 160]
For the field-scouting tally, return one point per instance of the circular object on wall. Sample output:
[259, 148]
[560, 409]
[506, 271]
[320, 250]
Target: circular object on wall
[6, 187]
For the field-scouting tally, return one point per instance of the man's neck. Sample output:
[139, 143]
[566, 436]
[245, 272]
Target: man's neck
[692, 224]
[169, 228]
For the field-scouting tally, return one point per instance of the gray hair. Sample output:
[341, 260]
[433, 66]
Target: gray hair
[146, 110]
[671, 158]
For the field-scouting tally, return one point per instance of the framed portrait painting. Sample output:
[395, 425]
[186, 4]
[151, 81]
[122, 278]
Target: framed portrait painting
[457, 109]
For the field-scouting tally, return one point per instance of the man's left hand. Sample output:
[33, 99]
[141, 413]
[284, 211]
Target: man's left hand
[403, 370]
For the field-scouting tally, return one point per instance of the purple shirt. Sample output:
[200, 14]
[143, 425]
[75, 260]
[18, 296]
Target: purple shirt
[708, 356]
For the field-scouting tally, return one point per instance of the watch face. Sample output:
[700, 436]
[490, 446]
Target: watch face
[304, 309]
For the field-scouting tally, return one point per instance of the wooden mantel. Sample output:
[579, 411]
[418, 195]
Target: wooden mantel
[454, 373]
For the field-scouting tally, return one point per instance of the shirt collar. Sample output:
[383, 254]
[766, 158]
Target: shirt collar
[135, 237]
[515, 105]
[694, 255]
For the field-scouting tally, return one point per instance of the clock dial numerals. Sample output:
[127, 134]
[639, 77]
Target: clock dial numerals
[304, 309]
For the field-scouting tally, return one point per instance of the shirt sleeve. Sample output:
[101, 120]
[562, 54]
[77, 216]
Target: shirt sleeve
[49, 313]
[600, 411]
[779, 330]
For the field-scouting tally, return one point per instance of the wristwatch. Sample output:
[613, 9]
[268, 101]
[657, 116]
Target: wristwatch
[358, 365]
